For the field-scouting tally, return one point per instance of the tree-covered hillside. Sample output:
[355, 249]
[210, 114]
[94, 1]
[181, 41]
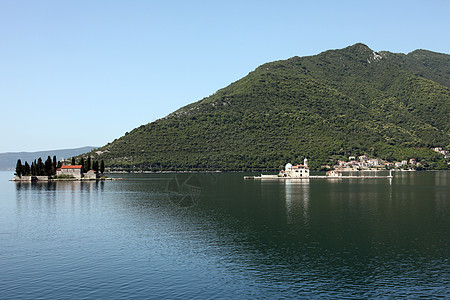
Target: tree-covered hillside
[344, 102]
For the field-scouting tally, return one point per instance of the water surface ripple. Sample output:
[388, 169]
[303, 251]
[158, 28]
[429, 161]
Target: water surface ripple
[215, 236]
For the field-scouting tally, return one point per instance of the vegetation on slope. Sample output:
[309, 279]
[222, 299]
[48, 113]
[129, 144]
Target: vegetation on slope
[344, 102]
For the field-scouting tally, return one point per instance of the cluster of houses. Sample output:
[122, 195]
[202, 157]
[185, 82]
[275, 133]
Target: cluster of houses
[446, 153]
[364, 162]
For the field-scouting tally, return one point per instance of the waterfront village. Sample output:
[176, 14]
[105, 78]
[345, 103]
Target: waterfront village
[364, 162]
[302, 172]
[67, 170]
[360, 163]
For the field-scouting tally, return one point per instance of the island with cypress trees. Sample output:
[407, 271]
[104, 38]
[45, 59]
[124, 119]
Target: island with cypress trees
[53, 170]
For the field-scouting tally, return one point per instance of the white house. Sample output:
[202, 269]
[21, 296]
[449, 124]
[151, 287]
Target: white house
[91, 174]
[363, 158]
[333, 173]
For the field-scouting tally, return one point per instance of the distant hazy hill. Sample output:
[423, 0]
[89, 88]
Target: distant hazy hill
[8, 160]
[343, 102]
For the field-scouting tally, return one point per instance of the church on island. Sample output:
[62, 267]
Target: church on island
[76, 171]
[295, 171]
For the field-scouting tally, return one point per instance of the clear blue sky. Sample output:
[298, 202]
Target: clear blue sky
[79, 73]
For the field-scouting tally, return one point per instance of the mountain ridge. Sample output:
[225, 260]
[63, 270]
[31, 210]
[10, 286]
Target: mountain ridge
[8, 159]
[340, 102]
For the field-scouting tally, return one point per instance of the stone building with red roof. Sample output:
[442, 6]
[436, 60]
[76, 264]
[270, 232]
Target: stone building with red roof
[76, 171]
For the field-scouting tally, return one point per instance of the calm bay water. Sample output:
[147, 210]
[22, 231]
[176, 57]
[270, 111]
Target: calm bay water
[218, 236]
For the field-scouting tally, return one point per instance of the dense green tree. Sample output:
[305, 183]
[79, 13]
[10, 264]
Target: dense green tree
[73, 161]
[19, 168]
[35, 170]
[81, 162]
[88, 164]
[40, 167]
[54, 165]
[95, 166]
[27, 169]
[102, 166]
[48, 166]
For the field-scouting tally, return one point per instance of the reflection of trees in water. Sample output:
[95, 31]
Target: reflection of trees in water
[44, 197]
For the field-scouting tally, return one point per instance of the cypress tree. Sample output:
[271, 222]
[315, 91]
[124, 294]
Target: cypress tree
[81, 162]
[102, 166]
[35, 171]
[40, 167]
[33, 168]
[48, 166]
[26, 169]
[73, 161]
[88, 164]
[95, 166]
[54, 165]
[19, 170]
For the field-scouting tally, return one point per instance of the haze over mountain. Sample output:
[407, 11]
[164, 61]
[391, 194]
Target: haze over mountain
[350, 101]
[8, 160]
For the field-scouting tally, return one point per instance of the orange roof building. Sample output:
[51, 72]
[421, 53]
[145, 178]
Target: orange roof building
[75, 171]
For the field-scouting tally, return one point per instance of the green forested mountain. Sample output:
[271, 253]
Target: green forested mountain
[343, 102]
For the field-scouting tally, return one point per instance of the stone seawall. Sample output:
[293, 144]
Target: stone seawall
[25, 178]
[48, 178]
[31, 178]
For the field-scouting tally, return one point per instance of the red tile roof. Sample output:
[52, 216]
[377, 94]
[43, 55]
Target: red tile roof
[300, 166]
[72, 167]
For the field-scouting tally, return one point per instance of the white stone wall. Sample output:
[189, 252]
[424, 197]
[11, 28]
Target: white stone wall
[90, 175]
[70, 172]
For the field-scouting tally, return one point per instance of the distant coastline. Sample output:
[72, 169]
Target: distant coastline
[8, 159]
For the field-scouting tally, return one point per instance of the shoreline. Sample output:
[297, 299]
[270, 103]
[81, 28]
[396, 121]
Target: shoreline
[61, 179]
[366, 170]
[251, 171]
[275, 177]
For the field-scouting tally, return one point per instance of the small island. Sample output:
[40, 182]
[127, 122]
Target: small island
[53, 170]
[302, 172]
